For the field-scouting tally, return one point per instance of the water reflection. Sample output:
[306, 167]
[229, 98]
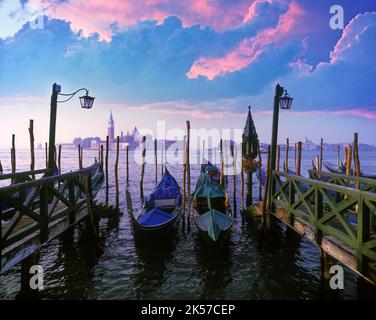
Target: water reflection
[153, 252]
[214, 264]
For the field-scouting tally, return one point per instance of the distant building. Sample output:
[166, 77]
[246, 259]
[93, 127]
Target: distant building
[111, 128]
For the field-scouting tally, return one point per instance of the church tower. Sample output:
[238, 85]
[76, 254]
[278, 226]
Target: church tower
[111, 128]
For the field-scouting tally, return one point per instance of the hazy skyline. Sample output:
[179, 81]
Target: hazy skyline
[197, 60]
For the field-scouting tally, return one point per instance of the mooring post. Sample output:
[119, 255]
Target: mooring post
[162, 159]
[102, 159]
[260, 160]
[59, 160]
[287, 155]
[156, 159]
[299, 159]
[13, 153]
[222, 165]
[242, 177]
[321, 152]
[348, 160]
[127, 161]
[79, 157]
[32, 152]
[184, 173]
[188, 123]
[117, 172]
[46, 150]
[233, 154]
[107, 151]
[339, 155]
[356, 160]
[266, 186]
[295, 155]
[226, 157]
[143, 167]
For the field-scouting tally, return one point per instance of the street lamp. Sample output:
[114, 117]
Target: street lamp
[284, 101]
[86, 103]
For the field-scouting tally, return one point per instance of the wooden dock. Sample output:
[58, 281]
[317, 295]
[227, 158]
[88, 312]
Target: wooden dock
[35, 211]
[330, 211]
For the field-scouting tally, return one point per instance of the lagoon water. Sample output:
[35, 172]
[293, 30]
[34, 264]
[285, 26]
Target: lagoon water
[183, 267]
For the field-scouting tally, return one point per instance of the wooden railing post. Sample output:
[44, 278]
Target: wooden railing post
[363, 236]
[318, 215]
[44, 212]
[291, 200]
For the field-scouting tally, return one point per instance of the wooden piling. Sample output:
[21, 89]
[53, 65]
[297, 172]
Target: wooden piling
[226, 159]
[32, 152]
[59, 160]
[233, 154]
[1, 168]
[117, 172]
[356, 159]
[295, 155]
[221, 161]
[339, 155]
[287, 155]
[215, 156]
[266, 186]
[242, 178]
[79, 157]
[260, 160]
[13, 153]
[299, 159]
[127, 161]
[143, 167]
[188, 123]
[156, 159]
[184, 172]
[348, 160]
[46, 149]
[321, 152]
[102, 160]
[107, 151]
[162, 162]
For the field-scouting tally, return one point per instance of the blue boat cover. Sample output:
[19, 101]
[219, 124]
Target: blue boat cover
[167, 188]
[155, 217]
[214, 222]
[206, 186]
[212, 170]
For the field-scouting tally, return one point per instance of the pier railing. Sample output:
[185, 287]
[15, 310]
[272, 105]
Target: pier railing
[38, 210]
[329, 214]
[365, 184]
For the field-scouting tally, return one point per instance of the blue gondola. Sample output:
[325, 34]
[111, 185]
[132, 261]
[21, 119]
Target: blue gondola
[162, 206]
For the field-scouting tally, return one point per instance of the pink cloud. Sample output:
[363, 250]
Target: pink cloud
[98, 15]
[248, 49]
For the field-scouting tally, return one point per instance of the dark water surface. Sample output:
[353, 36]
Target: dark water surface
[179, 267]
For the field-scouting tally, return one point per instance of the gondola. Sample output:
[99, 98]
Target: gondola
[211, 211]
[212, 171]
[342, 170]
[161, 208]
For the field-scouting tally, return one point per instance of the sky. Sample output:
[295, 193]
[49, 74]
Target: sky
[200, 60]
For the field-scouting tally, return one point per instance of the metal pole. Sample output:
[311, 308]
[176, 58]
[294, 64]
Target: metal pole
[278, 94]
[51, 144]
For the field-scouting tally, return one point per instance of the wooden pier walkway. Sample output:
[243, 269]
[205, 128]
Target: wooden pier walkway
[334, 211]
[35, 211]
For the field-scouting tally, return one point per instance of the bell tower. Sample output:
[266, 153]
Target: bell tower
[111, 128]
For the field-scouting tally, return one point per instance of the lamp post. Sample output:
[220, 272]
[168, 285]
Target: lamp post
[86, 103]
[284, 101]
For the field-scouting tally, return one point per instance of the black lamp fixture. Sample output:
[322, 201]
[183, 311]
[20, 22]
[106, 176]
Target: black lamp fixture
[285, 101]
